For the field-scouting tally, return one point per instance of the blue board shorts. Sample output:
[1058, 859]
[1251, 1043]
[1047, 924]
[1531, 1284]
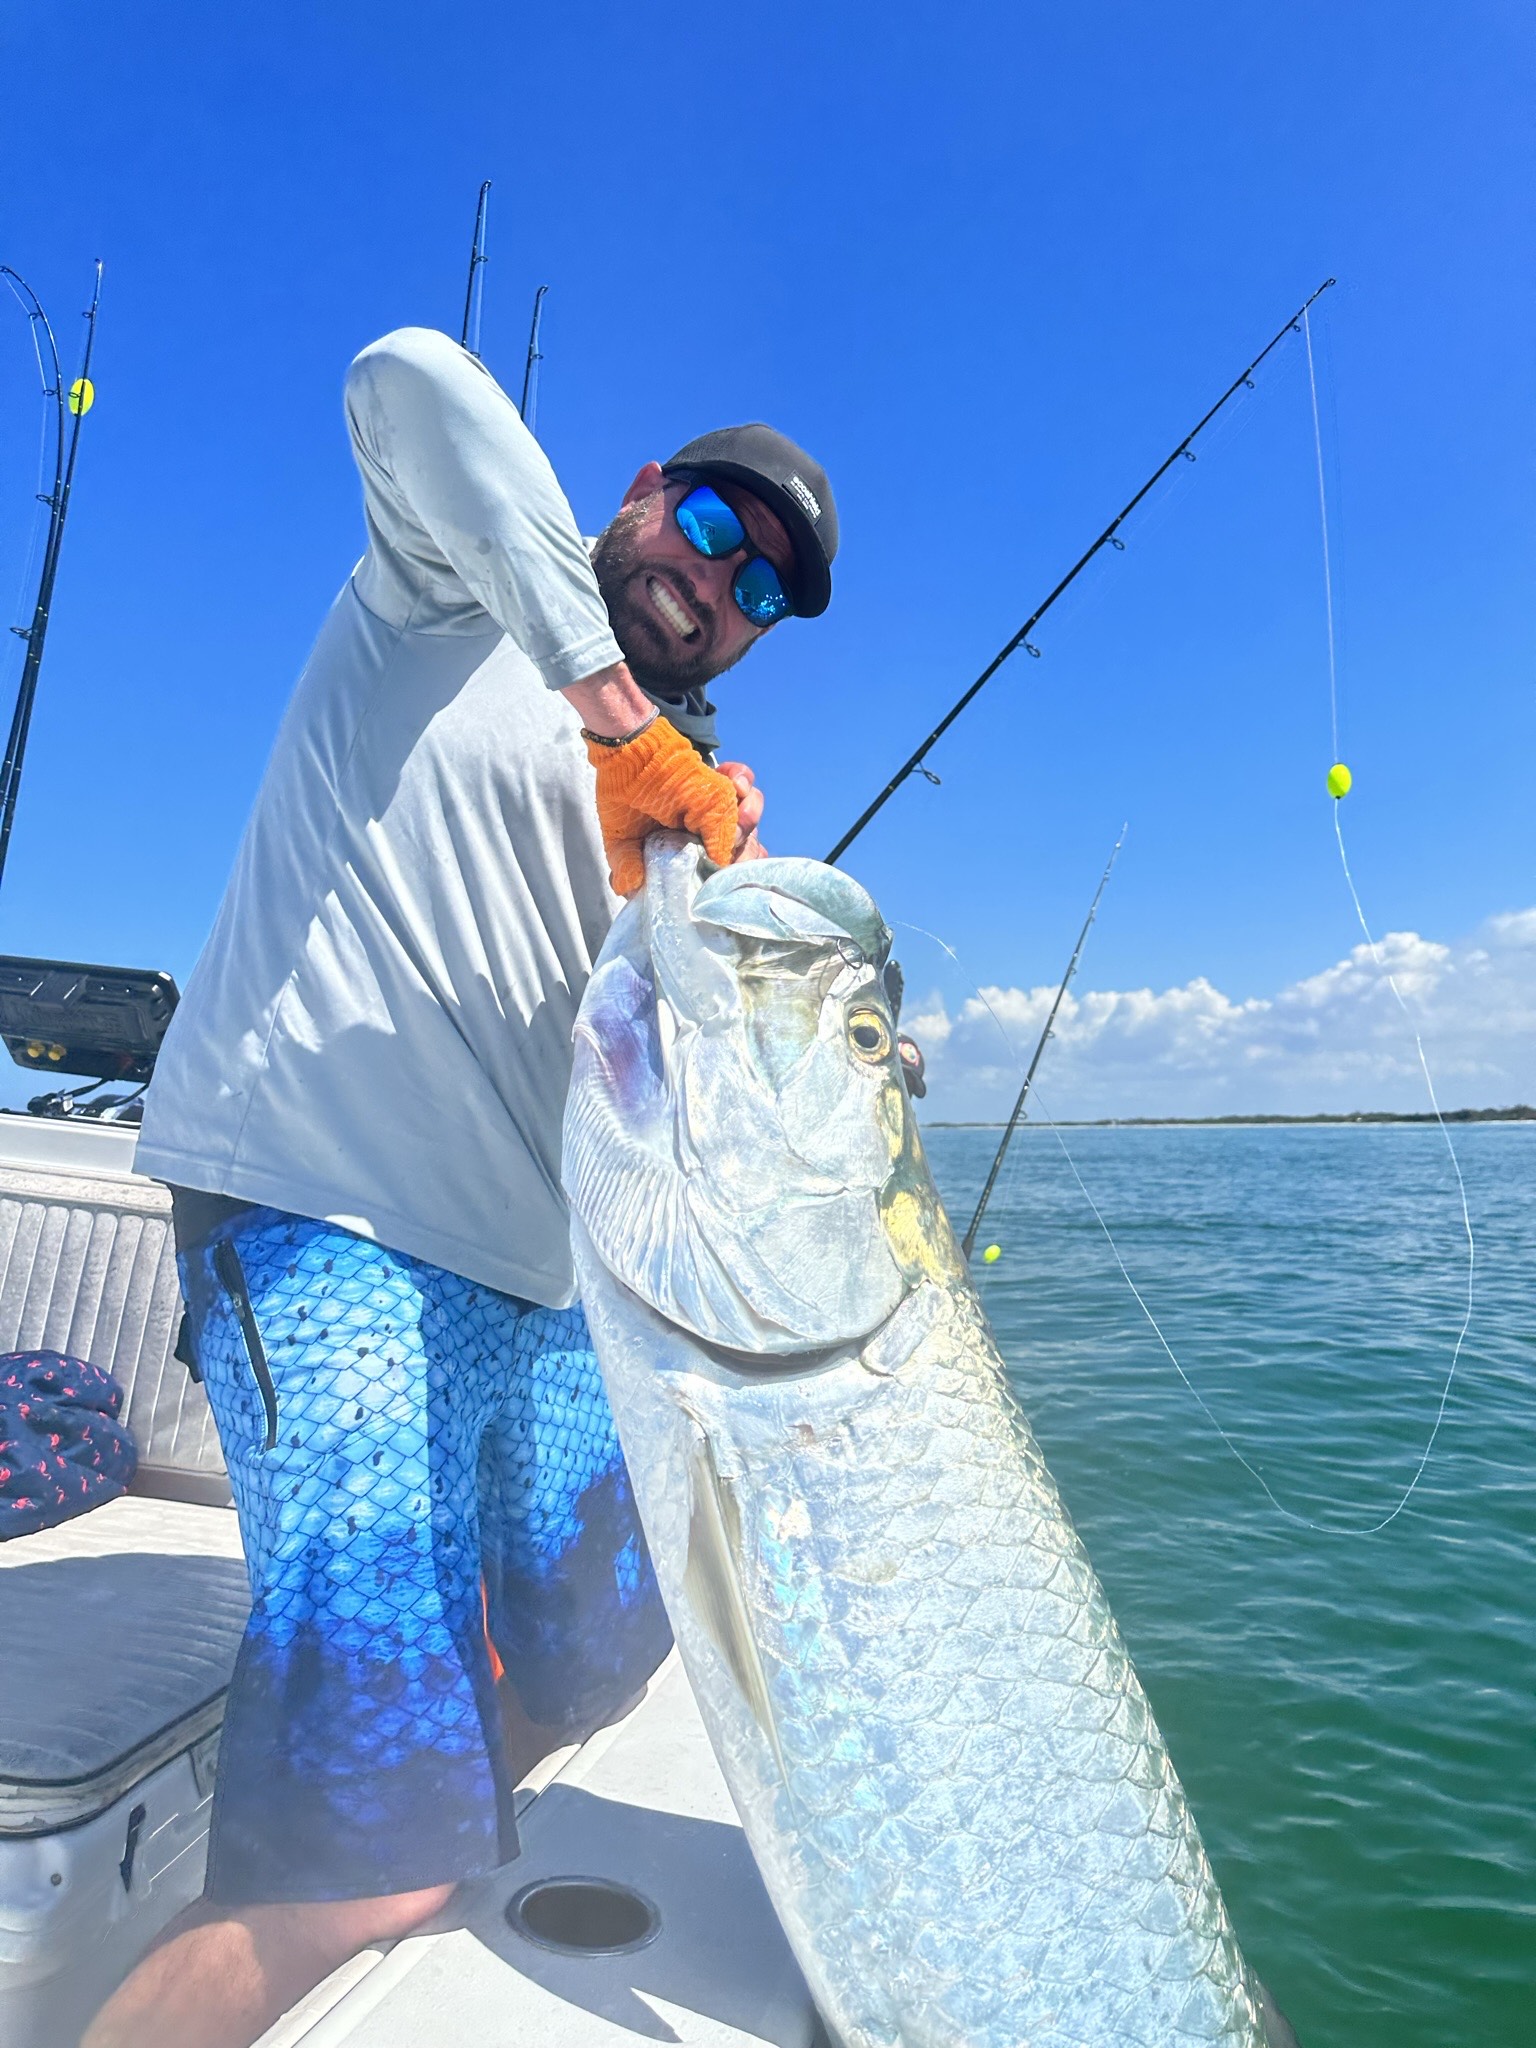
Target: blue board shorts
[429, 1486]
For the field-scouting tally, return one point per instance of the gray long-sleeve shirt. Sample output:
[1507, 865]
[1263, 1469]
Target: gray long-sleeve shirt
[378, 1030]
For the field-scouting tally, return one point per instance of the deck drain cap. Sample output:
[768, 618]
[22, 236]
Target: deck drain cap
[583, 1916]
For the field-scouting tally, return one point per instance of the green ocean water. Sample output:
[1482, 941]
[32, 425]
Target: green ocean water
[1351, 1715]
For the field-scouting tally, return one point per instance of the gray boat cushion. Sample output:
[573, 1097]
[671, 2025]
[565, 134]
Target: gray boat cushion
[88, 1267]
[120, 1630]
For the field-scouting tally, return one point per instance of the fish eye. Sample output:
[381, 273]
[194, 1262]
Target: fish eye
[869, 1035]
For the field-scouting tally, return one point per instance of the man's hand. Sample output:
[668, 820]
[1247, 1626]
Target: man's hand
[749, 814]
[657, 778]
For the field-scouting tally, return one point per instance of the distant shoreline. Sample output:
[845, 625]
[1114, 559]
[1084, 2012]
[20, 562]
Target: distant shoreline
[1518, 1113]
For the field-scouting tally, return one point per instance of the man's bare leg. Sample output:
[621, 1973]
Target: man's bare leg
[219, 1976]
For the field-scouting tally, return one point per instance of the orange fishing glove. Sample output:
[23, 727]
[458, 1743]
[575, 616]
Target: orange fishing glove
[658, 778]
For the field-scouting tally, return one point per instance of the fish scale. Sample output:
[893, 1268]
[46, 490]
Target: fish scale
[949, 1774]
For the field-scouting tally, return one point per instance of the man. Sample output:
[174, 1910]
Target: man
[358, 1107]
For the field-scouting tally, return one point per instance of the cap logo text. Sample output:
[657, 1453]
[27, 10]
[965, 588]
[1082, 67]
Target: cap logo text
[803, 496]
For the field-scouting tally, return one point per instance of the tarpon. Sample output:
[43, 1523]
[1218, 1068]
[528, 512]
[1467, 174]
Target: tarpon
[946, 1767]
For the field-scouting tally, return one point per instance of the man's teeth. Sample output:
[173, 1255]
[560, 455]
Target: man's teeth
[670, 609]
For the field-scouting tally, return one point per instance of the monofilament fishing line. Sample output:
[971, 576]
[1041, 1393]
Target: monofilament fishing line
[1290, 1514]
[1339, 783]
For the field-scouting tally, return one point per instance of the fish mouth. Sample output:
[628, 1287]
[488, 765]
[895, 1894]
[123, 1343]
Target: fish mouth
[781, 897]
[787, 897]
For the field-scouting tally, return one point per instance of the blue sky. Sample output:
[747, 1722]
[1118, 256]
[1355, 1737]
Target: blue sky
[988, 263]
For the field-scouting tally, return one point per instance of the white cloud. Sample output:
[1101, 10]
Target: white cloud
[1335, 1040]
[1514, 927]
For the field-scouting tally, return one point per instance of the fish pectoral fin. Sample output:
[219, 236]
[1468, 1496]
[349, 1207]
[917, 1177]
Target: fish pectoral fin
[712, 1583]
[1278, 2032]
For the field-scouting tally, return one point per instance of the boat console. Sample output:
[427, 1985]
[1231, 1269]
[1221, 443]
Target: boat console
[69, 1017]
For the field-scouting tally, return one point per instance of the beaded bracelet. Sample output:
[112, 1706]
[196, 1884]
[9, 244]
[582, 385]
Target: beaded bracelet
[603, 739]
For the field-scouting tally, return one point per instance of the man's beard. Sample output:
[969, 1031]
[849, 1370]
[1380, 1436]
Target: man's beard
[661, 663]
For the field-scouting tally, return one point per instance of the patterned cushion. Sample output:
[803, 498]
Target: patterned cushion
[62, 1449]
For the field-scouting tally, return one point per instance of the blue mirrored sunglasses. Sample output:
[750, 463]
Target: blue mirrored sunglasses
[710, 525]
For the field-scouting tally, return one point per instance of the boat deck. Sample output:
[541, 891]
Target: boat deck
[642, 1805]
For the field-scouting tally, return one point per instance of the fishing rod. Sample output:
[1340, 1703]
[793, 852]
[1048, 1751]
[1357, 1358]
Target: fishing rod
[968, 1242]
[1110, 537]
[32, 306]
[78, 401]
[474, 289]
[530, 400]
[473, 303]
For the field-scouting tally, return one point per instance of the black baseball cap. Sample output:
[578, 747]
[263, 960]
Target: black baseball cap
[770, 466]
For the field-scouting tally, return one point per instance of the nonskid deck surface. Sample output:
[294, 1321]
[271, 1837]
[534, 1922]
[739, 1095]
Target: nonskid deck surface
[643, 1805]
